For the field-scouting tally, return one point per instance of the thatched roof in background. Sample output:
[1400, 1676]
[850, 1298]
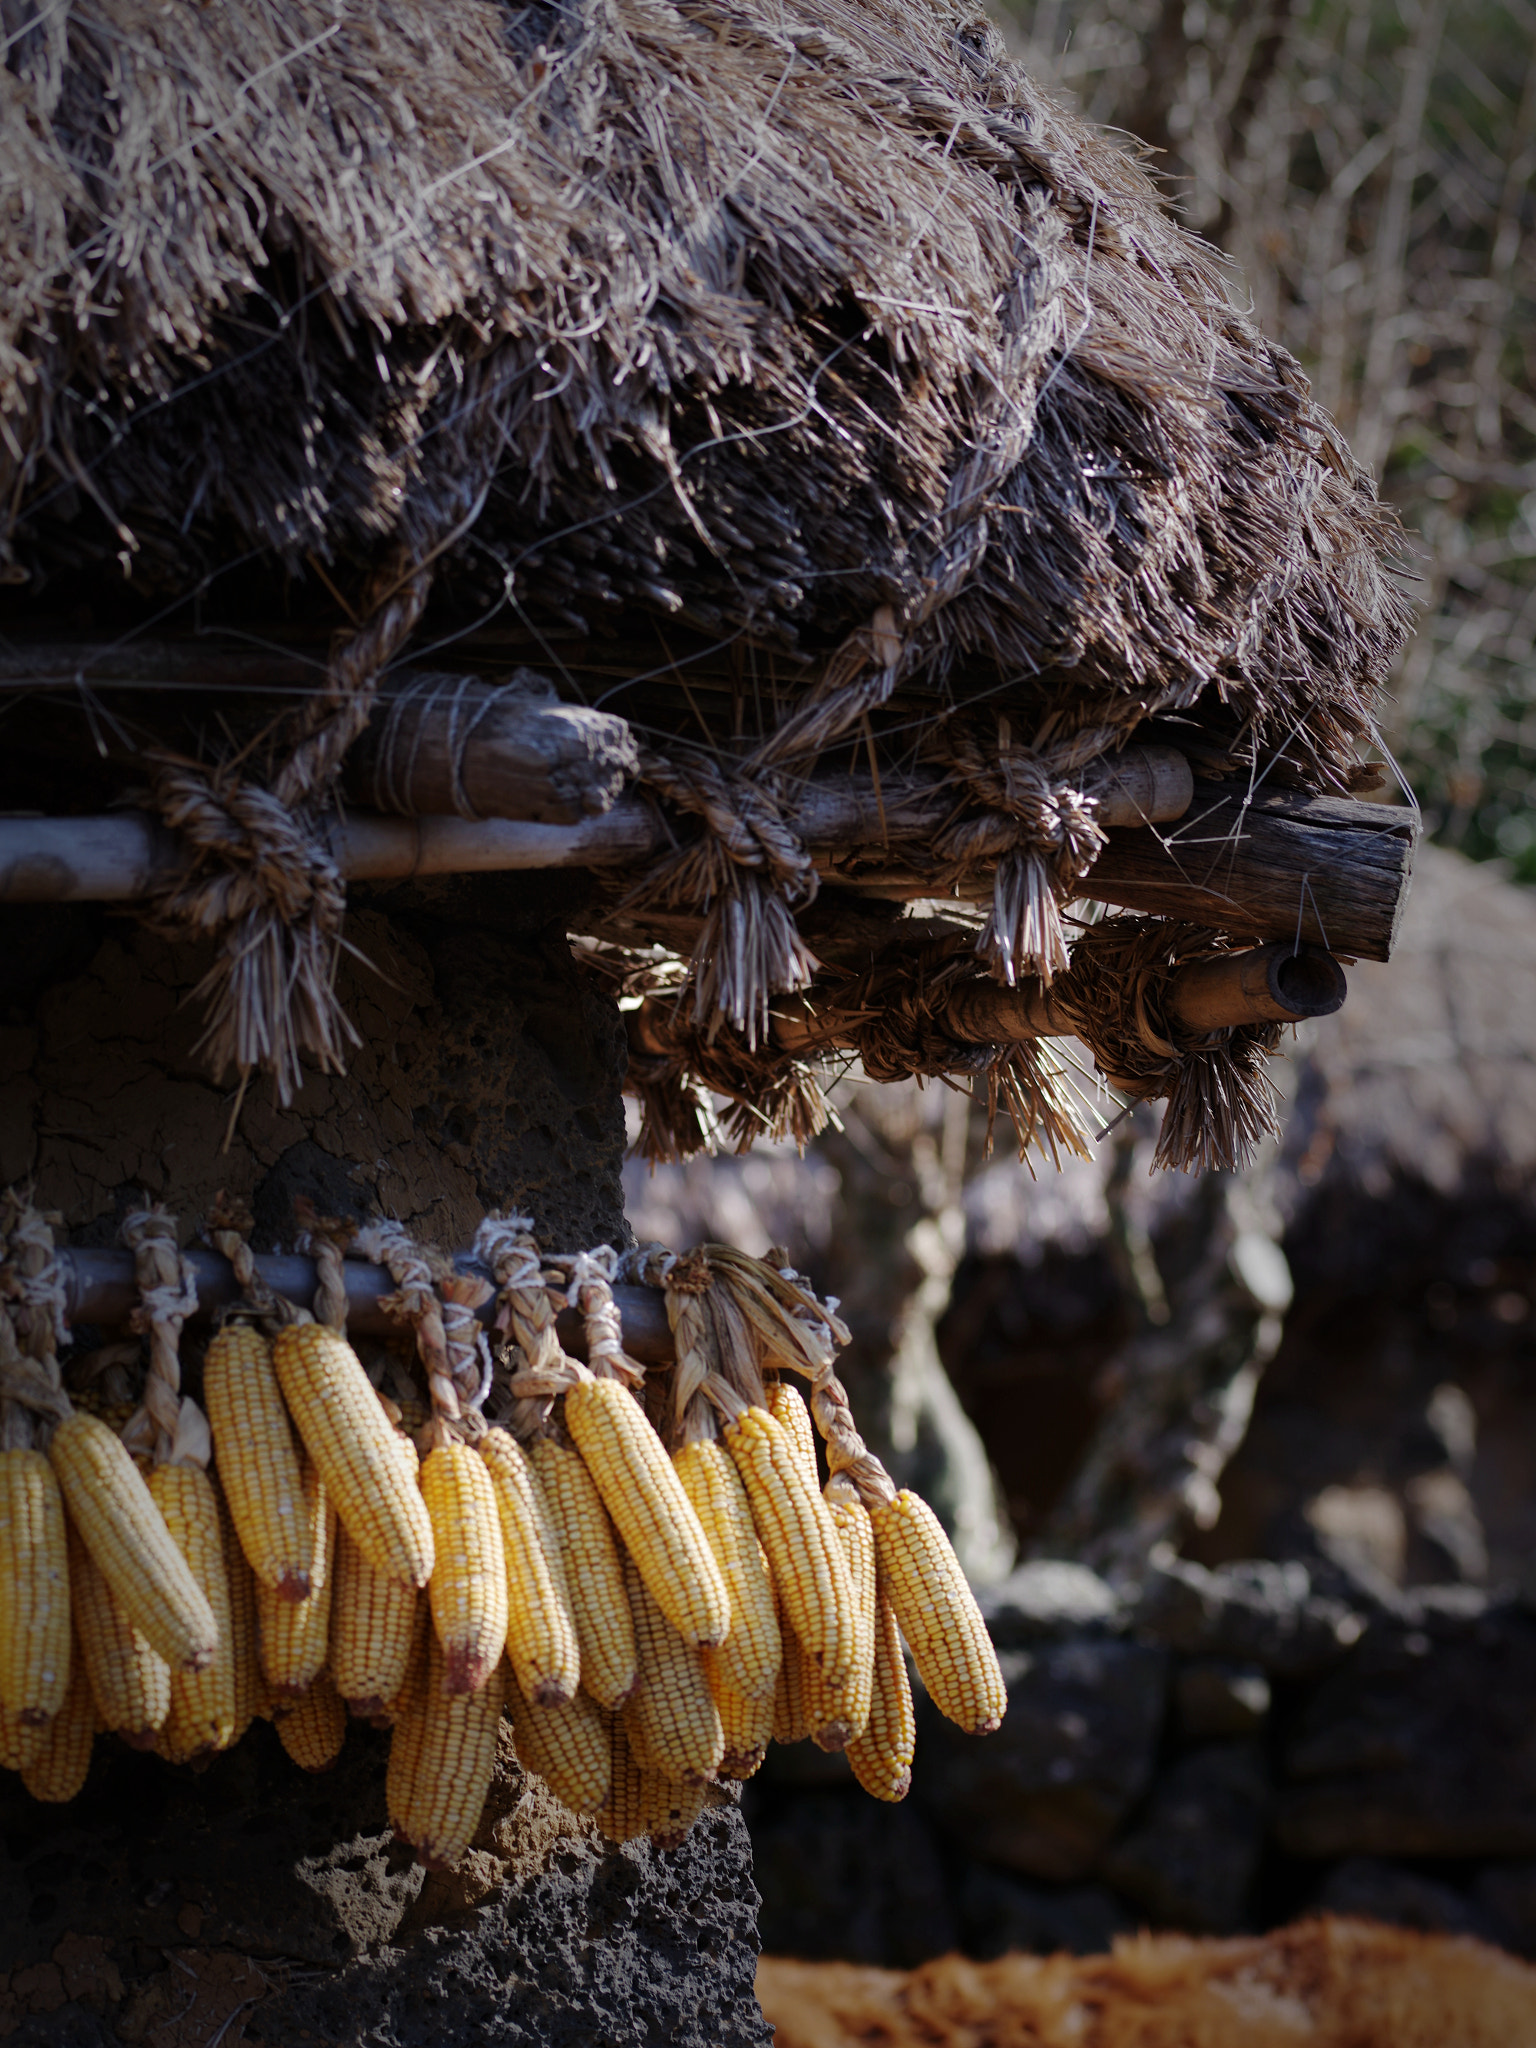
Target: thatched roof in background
[762, 318]
[824, 337]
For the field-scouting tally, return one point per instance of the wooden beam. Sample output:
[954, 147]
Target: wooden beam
[1275, 865]
[100, 1288]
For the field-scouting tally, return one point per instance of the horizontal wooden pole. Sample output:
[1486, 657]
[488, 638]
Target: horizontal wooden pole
[99, 1288]
[1273, 984]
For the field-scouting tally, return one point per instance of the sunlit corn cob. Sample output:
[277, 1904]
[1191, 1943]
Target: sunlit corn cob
[202, 1715]
[882, 1756]
[791, 1722]
[937, 1613]
[315, 1727]
[61, 1765]
[250, 1685]
[442, 1755]
[125, 1533]
[810, 1574]
[748, 1659]
[34, 1589]
[567, 1745]
[130, 1682]
[20, 1746]
[351, 1440]
[747, 1728]
[626, 1813]
[837, 1715]
[786, 1404]
[468, 1587]
[258, 1460]
[373, 1622]
[652, 1513]
[594, 1578]
[671, 1721]
[542, 1644]
[292, 1635]
[673, 1808]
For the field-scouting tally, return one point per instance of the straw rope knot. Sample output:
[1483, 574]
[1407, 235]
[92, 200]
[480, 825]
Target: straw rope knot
[167, 1425]
[32, 1324]
[590, 1282]
[440, 1305]
[525, 1315]
[264, 881]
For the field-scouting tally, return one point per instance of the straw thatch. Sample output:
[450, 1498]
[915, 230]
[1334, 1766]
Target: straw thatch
[824, 335]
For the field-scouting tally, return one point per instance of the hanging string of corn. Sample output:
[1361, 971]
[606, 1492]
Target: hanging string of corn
[634, 1582]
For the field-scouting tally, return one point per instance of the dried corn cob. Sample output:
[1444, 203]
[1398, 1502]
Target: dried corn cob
[61, 1766]
[748, 1660]
[671, 1721]
[373, 1624]
[786, 1404]
[130, 1683]
[202, 1715]
[625, 1813]
[673, 1808]
[567, 1745]
[350, 1439]
[258, 1460]
[125, 1533]
[468, 1587]
[20, 1747]
[293, 1635]
[34, 1589]
[837, 1715]
[446, 1746]
[791, 1721]
[594, 1578]
[652, 1513]
[542, 1644]
[747, 1726]
[810, 1574]
[245, 1659]
[937, 1613]
[882, 1756]
[314, 1729]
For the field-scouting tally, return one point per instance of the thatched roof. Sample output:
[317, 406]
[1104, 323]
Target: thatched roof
[829, 336]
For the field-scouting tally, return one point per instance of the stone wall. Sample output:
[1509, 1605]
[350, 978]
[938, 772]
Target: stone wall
[167, 1904]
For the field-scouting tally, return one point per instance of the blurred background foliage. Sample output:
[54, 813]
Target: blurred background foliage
[1367, 165]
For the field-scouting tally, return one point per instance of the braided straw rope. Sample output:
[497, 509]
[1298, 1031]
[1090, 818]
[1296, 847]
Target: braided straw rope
[169, 1425]
[440, 1305]
[32, 1325]
[526, 1316]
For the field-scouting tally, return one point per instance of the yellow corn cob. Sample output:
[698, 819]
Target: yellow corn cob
[250, 1685]
[882, 1756]
[351, 1440]
[34, 1589]
[624, 1814]
[810, 1574]
[314, 1729]
[61, 1766]
[542, 1645]
[446, 1746]
[673, 1808]
[786, 1404]
[468, 1588]
[937, 1613]
[131, 1685]
[594, 1579]
[790, 1720]
[748, 1660]
[407, 1722]
[671, 1721]
[202, 1715]
[293, 1634]
[652, 1513]
[125, 1533]
[567, 1745]
[373, 1622]
[20, 1747]
[837, 1715]
[747, 1726]
[415, 1665]
[257, 1458]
